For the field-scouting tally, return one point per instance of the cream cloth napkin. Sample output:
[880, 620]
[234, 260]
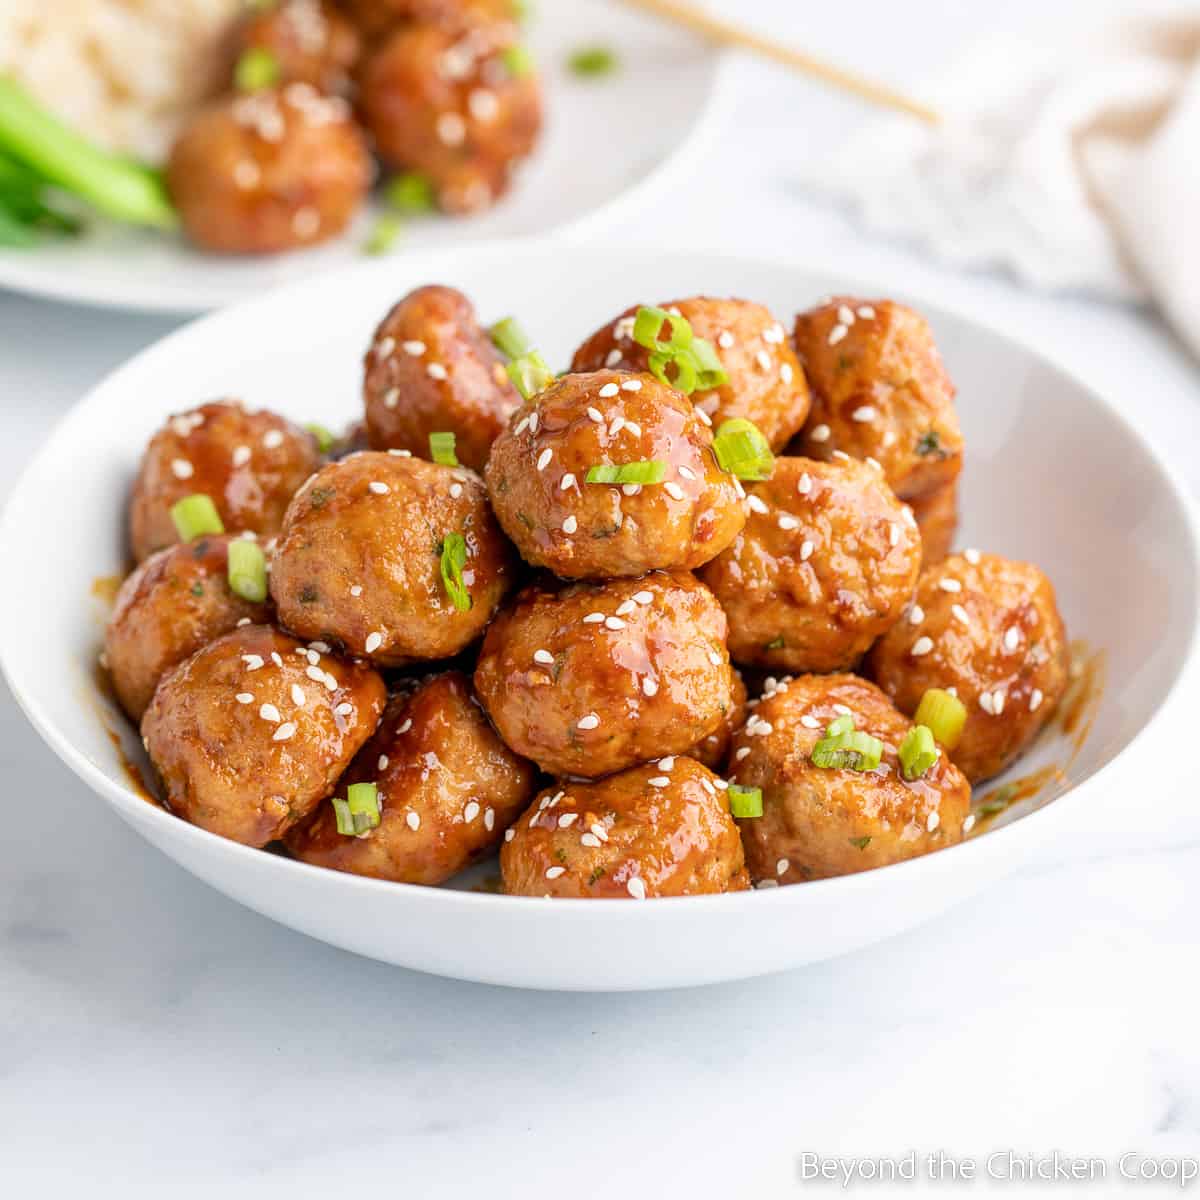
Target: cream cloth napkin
[1074, 166]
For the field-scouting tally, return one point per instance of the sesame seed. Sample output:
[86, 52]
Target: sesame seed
[636, 888]
[374, 641]
[703, 416]
[593, 618]
[241, 456]
[893, 534]
[269, 712]
[921, 646]
[613, 623]
[285, 731]
[649, 687]
[916, 615]
[471, 811]
[840, 455]
[1035, 699]
[985, 702]
[757, 504]
[866, 312]
[644, 597]
[533, 421]
[625, 608]
[933, 821]
[763, 359]
[406, 726]
[331, 684]
[554, 872]
[436, 371]
[810, 722]
[598, 831]
[742, 753]
[244, 621]
[315, 673]
[715, 658]
[276, 659]
[609, 389]
[253, 661]
[413, 348]
[845, 315]
[836, 334]
[298, 696]
[659, 781]
[998, 697]
[345, 709]
[590, 840]
[413, 821]
[570, 525]
[969, 823]
[820, 433]
[544, 657]
[960, 613]
[521, 426]
[1012, 638]
[631, 489]
[618, 423]
[567, 481]
[566, 820]
[455, 491]
[612, 357]
[673, 490]
[786, 374]
[244, 698]
[632, 385]
[382, 763]
[806, 550]
[543, 460]
[725, 339]
[804, 486]
[786, 521]
[483, 104]
[781, 866]
[509, 834]
[451, 129]
[489, 819]
[380, 489]
[687, 472]
[865, 413]
[889, 438]
[842, 710]
[972, 556]
[385, 347]
[272, 439]
[182, 469]
[596, 415]
[591, 721]
[668, 763]
[950, 585]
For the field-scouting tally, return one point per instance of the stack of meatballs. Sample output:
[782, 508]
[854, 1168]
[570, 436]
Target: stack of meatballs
[538, 643]
[440, 89]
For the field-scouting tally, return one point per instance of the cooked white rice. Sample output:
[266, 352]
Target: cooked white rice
[124, 72]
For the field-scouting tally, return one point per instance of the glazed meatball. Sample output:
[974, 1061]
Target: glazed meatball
[310, 41]
[365, 559]
[448, 788]
[713, 751]
[432, 369]
[989, 628]
[827, 561]
[249, 463]
[936, 513]
[820, 821]
[177, 601]
[269, 171]
[253, 731]
[442, 102]
[766, 382]
[879, 390]
[537, 479]
[662, 829]
[377, 17]
[586, 679]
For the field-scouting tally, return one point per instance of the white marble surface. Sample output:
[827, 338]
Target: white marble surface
[155, 1036]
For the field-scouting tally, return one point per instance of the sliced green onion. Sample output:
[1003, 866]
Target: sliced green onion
[454, 558]
[509, 338]
[648, 325]
[256, 69]
[861, 842]
[518, 62]
[650, 471]
[742, 450]
[325, 437]
[345, 822]
[592, 61]
[388, 230]
[943, 714]
[686, 374]
[247, 571]
[362, 799]
[196, 515]
[441, 449]
[840, 725]
[410, 193]
[711, 374]
[854, 751]
[745, 801]
[918, 752]
[530, 374]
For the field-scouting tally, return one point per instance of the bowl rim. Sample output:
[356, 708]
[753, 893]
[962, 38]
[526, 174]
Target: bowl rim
[135, 809]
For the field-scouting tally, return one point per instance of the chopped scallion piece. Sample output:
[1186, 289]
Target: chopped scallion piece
[651, 471]
[345, 822]
[256, 69]
[530, 374]
[649, 323]
[742, 450]
[918, 752]
[686, 374]
[861, 842]
[386, 233]
[410, 193]
[509, 338]
[943, 714]
[840, 725]
[745, 801]
[517, 60]
[196, 515]
[362, 799]
[454, 558]
[247, 570]
[710, 372]
[325, 438]
[441, 449]
[854, 751]
[592, 61]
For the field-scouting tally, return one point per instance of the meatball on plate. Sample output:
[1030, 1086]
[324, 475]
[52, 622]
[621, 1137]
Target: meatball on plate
[713, 712]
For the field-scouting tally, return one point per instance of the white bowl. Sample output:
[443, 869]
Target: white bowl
[1054, 474]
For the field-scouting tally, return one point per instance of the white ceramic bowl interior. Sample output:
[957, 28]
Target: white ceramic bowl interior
[1053, 474]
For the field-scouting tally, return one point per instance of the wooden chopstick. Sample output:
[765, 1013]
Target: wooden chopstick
[693, 17]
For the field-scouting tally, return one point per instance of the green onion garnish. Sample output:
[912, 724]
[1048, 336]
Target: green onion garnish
[943, 714]
[651, 471]
[686, 375]
[592, 61]
[194, 516]
[441, 449]
[454, 558]
[359, 812]
[325, 438]
[742, 450]
[509, 338]
[840, 725]
[694, 360]
[386, 233]
[341, 812]
[247, 571]
[710, 373]
[517, 60]
[256, 69]
[649, 323]
[845, 748]
[918, 752]
[530, 374]
[745, 801]
[410, 193]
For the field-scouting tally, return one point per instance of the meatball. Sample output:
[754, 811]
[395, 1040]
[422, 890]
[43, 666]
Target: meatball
[989, 628]
[253, 731]
[431, 369]
[448, 788]
[586, 679]
[879, 390]
[177, 601]
[820, 821]
[662, 829]
[309, 40]
[936, 513]
[713, 751]
[766, 382]
[377, 17]
[366, 559]
[269, 171]
[249, 463]
[444, 102]
[537, 479]
[827, 561]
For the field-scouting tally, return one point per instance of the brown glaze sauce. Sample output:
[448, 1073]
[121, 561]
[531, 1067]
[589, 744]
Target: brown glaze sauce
[105, 711]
